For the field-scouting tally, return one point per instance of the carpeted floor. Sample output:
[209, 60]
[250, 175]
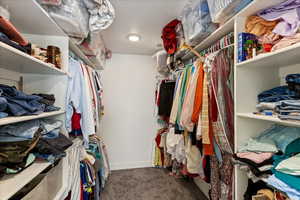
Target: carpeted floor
[149, 184]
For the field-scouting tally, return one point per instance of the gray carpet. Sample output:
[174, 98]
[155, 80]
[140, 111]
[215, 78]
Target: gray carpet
[149, 184]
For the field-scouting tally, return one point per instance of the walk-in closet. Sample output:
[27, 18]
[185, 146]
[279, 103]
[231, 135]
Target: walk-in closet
[149, 100]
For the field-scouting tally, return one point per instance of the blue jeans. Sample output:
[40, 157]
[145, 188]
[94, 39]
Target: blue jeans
[289, 117]
[289, 104]
[3, 104]
[26, 130]
[20, 103]
[6, 40]
[16, 94]
[3, 114]
[293, 78]
[51, 108]
[276, 94]
[20, 130]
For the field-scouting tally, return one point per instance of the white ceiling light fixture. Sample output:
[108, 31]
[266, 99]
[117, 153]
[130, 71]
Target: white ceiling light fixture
[134, 37]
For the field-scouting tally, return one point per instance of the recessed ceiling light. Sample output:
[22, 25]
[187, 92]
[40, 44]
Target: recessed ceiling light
[134, 37]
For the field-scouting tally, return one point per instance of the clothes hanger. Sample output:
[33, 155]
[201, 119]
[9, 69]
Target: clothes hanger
[185, 46]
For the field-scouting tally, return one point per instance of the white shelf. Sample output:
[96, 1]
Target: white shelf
[214, 37]
[16, 60]
[11, 184]
[75, 49]
[257, 5]
[11, 120]
[29, 17]
[270, 119]
[39, 22]
[279, 58]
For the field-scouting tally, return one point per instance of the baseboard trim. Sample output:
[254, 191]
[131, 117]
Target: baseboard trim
[131, 165]
[203, 186]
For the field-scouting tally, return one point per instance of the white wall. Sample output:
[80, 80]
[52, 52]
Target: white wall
[129, 122]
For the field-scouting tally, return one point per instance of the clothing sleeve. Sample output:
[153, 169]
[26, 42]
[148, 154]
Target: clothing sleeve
[174, 110]
[74, 92]
[198, 96]
[78, 97]
[87, 119]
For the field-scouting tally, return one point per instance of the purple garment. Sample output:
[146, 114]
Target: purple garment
[288, 12]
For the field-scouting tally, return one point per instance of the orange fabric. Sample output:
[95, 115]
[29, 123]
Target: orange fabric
[198, 96]
[12, 33]
[258, 26]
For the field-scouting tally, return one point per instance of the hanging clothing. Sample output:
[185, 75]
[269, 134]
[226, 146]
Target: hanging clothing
[204, 115]
[184, 84]
[199, 94]
[188, 105]
[174, 111]
[78, 96]
[166, 94]
[221, 71]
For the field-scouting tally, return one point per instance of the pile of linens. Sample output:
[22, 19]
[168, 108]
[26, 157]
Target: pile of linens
[272, 160]
[23, 143]
[282, 101]
[276, 27]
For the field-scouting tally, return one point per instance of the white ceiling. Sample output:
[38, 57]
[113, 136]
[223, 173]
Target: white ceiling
[144, 17]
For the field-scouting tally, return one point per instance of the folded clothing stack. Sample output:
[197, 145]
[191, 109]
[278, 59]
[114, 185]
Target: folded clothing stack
[48, 100]
[273, 155]
[22, 143]
[16, 103]
[12, 37]
[282, 100]
[276, 27]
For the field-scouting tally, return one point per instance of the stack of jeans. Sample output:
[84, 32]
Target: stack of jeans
[282, 100]
[3, 106]
[48, 100]
[277, 94]
[16, 103]
[288, 109]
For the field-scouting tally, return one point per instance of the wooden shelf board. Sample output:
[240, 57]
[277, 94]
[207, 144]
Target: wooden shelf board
[280, 58]
[16, 60]
[270, 119]
[29, 17]
[11, 120]
[11, 184]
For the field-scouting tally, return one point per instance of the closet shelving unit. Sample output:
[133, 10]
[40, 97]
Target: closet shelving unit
[35, 76]
[251, 77]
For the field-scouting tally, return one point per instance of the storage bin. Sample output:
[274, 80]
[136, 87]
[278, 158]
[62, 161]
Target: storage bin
[196, 20]
[72, 16]
[93, 47]
[223, 10]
